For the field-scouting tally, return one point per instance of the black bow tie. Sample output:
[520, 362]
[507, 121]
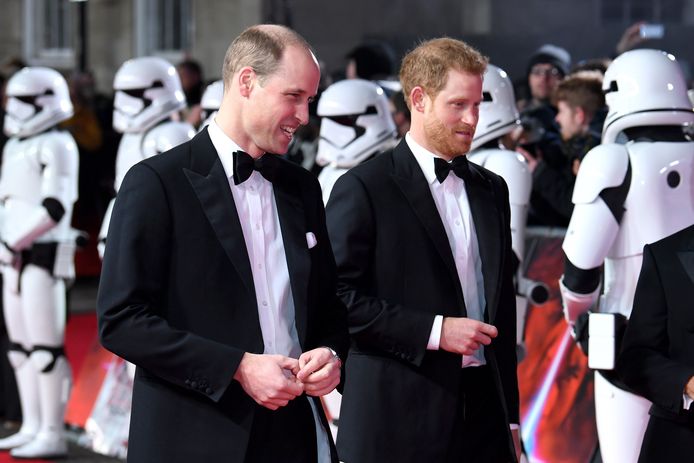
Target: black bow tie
[460, 167]
[244, 165]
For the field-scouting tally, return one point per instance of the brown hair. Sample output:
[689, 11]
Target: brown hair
[582, 90]
[428, 64]
[261, 47]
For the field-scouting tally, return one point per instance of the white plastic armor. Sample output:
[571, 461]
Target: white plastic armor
[637, 98]
[211, 101]
[37, 99]
[654, 178]
[148, 90]
[38, 187]
[498, 117]
[355, 124]
[135, 147]
[498, 111]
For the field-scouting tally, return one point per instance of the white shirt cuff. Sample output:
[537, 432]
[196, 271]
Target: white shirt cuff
[435, 336]
[686, 402]
[514, 426]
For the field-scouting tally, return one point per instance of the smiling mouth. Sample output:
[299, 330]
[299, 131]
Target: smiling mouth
[288, 131]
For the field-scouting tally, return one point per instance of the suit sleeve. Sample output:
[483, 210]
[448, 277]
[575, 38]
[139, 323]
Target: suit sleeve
[131, 303]
[374, 323]
[505, 343]
[332, 318]
[643, 363]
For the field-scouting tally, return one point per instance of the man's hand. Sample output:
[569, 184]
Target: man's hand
[689, 388]
[268, 379]
[465, 335]
[319, 371]
[530, 159]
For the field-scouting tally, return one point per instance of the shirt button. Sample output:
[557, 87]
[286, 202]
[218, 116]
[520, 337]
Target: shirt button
[257, 226]
[264, 303]
[260, 265]
[457, 222]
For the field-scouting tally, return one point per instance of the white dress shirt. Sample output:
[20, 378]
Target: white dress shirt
[257, 211]
[453, 206]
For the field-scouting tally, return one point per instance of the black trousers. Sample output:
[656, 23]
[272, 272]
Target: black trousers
[286, 435]
[480, 433]
[667, 441]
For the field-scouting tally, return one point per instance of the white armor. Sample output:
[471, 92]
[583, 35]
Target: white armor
[211, 101]
[625, 196]
[355, 124]
[498, 117]
[148, 90]
[152, 86]
[38, 187]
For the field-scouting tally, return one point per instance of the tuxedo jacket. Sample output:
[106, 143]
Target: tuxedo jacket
[657, 356]
[396, 272]
[177, 299]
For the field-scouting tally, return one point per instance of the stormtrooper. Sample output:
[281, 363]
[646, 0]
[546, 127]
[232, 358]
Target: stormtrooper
[356, 124]
[498, 118]
[211, 101]
[633, 189]
[148, 94]
[38, 187]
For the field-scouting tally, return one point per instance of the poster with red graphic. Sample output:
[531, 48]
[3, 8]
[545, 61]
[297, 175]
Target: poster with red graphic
[556, 386]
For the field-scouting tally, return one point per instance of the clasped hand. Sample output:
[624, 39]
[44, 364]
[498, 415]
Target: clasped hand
[273, 380]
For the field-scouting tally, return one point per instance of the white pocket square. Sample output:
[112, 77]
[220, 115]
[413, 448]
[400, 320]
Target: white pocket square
[311, 240]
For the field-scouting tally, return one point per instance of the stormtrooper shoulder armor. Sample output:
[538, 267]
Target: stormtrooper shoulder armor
[166, 136]
[605, 166]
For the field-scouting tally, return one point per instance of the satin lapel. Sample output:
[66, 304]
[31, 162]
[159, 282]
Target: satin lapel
[411, 181]
[490, 240]
[212, 189]
[293, 225]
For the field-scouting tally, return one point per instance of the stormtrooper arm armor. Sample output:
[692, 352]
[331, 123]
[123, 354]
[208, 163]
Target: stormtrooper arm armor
[36, 221]
[599, 194]
[59, 159]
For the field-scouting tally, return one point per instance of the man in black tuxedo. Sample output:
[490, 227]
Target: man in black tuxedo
[423, 249]
[657, 357]
[219, 281]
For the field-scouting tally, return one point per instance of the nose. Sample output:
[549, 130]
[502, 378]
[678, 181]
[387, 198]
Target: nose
[302, 113]
[471, 117]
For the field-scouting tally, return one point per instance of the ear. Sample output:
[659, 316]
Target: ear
[246, 79]
[581, 116]
[417, 97]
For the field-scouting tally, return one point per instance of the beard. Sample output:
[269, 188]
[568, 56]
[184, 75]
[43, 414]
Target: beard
[444, 140]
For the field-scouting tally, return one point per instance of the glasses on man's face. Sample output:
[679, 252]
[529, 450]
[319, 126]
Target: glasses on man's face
[545, 72]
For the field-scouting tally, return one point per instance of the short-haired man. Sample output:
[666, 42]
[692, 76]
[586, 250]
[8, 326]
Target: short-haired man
[579, 100]
[423, 247]
[219, 281]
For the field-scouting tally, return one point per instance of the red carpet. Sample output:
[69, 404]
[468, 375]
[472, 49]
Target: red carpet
[79, 337]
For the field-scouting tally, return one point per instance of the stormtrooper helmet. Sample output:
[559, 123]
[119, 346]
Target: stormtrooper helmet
[37, 99]
[211, 101]
[498, 112]
[644, 87]
[355, 123]
[148, 90]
